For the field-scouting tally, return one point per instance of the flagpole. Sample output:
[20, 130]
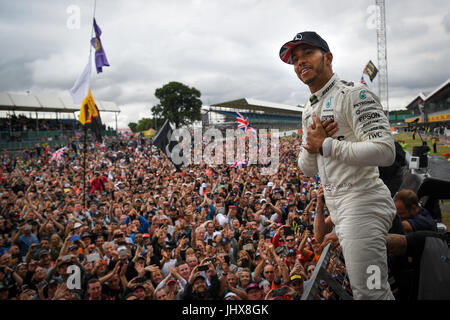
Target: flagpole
[85, 129]
[84, 166]
[92, 29]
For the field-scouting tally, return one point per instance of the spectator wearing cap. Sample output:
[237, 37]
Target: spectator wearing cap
[229, 245]
[296, 282]
[231, 296]
[197, 288]
[254, 292]
[291, 257]
[139, 291]
[21, 269]
[174, 284]
[86, 239]
[44, 260]
[74, 250]
[59, 270]
[146, 239]
[48, 292]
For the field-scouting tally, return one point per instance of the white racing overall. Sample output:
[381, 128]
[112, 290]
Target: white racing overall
[359, 202]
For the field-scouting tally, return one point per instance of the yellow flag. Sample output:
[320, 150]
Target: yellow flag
[88, 109]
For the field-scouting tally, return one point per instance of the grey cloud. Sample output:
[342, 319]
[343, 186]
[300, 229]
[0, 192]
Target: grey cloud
[446, 22]
[226, 49]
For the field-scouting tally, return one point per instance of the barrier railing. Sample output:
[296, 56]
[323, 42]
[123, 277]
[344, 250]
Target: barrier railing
[329, 270]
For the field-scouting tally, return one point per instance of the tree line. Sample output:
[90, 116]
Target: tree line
[179, 103]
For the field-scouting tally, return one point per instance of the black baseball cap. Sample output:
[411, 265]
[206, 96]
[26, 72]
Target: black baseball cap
[308, 37]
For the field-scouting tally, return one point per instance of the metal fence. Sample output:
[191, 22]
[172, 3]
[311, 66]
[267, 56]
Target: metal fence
[329, 273]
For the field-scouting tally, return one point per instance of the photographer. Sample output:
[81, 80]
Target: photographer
[306, 254]
[197, 288]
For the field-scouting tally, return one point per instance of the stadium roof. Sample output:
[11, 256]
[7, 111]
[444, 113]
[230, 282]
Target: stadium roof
[421, 96]
[253, 104]
[20, 102]
[425, 96]
[442, 88]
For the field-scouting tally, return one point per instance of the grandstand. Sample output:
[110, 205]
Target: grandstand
[436, 107]
[260, 114]
[27, 120]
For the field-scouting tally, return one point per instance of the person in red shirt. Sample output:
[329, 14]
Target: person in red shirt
[98, 183]
[284, 236]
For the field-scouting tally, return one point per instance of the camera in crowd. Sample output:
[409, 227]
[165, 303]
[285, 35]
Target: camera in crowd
[302, 226]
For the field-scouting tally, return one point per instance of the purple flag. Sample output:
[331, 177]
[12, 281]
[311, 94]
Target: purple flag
[100, 56]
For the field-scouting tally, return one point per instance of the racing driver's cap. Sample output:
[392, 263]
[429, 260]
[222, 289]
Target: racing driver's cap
[308, 37]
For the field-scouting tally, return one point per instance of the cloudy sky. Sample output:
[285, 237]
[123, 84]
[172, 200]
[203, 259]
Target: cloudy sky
[226, 49]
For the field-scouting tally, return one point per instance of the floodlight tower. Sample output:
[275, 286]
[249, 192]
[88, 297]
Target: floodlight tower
[383, 89]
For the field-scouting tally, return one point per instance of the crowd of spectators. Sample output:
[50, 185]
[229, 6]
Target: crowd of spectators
[23, 123]
[144, 231]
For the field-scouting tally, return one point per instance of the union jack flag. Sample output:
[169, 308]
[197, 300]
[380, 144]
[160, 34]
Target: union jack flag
[363, 81]
[57, 155]
[239, 164]
[243, 124]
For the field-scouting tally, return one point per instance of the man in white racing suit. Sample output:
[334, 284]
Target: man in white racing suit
[346, 136]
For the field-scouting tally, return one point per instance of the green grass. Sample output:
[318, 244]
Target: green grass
[410, 143]
[441, 148]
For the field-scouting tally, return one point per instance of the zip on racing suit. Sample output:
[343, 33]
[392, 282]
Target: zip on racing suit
[359, 202]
